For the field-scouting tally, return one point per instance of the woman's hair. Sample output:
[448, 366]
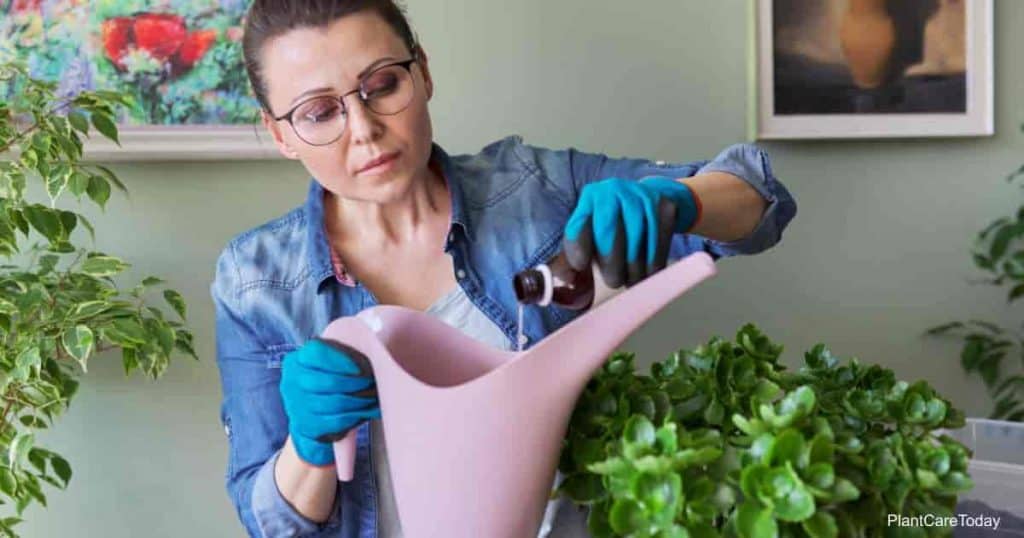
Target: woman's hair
[268, 19]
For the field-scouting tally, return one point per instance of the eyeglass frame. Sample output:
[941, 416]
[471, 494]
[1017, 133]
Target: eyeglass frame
[405, 64]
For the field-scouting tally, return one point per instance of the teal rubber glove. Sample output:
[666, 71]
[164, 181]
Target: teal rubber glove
[327, 389]
[631, 223]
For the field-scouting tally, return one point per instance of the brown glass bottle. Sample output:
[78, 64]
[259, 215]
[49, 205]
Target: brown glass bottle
[555, 282]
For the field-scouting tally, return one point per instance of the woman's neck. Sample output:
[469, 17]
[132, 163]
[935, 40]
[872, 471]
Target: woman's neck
[412, 218]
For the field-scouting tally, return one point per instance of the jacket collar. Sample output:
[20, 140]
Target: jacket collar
[318, 247]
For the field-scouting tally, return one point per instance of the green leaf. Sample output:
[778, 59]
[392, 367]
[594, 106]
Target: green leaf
[714, 412]
[112, 178]
[78, 342]
[89, 309]
[958, 482]
[105, 125]
[821, 525]
[747, 426]
[37, 458]
[8, 484]
[19, 220]
[799, 402]
[176, 301]
[152, 281]
[62, 468]
[1015, 293]
[30, 421]
[788, 447]
[103, 266]
[658, 492]
[56, 182]
[639, 431]
[78, 121]
[821, 475]
[46, 263]
[69, 220]
[791, 499]
[31, 485]
[46, 221]
[126, 332]
[79, 183]
[927, 479]
[18, 450]
[753, 521]
[98, 190]
[766, 391]
[844, 491]
[583, 487]
[821, 450]
[626, 516]
[129, 359]
[586, 451]
[29, 359]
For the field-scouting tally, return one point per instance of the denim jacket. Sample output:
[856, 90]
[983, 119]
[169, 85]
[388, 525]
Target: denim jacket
[275, 287]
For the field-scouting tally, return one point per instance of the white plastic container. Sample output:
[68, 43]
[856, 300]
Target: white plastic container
[997, 469]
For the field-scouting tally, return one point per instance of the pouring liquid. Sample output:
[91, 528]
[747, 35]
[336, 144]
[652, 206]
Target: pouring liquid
[519, 333]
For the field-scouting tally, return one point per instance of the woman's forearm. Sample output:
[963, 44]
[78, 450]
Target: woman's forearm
[731, 208]
[309, 489]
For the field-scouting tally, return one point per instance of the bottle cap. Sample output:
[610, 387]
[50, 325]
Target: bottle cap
[534, 286]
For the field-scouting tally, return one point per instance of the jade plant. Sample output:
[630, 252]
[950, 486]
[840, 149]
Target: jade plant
[998, 251]
[723, 440]
[60, 305]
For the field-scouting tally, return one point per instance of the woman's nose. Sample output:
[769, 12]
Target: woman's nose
[363, 124]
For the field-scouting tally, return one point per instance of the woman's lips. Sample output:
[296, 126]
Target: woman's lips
[382, 164]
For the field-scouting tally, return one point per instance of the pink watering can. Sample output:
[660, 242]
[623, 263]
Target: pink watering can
[473, 432]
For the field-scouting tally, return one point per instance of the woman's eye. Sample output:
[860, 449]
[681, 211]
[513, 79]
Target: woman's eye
[320, 112]
[380, 84]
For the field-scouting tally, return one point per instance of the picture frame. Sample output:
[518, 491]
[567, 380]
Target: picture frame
[817, 74]
[181, 61]
[183, 143]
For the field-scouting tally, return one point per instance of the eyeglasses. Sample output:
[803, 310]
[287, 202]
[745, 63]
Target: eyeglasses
[387, 90]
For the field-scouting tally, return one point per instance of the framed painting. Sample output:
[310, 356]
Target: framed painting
[180, 59]
[872, 68]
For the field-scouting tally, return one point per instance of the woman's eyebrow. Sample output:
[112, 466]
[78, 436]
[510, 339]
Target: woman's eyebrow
[359, 77]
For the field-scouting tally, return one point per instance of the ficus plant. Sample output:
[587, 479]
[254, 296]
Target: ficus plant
[999, 252]
[723, 440]
[60, 305]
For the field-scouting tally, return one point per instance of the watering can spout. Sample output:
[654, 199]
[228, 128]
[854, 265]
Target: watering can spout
[591, 338]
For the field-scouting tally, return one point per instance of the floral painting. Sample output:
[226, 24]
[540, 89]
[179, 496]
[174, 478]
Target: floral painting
[180, 59]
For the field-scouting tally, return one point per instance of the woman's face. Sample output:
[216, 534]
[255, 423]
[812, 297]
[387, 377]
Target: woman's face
[309, 62]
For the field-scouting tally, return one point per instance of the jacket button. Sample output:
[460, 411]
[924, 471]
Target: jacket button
[461, 274]
[523, 339]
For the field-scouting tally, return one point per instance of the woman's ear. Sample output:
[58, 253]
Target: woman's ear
[425, 68]
[274, 128]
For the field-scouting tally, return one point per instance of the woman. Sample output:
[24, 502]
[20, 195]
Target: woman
[391, 218]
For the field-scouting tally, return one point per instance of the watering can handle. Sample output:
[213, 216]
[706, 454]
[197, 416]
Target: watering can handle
[345, 456]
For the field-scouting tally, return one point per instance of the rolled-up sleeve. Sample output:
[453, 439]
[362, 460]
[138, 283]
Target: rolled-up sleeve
[573, 169]
[751, 164]
[253, 418]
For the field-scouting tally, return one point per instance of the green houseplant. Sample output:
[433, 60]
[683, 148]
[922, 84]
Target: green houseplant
[59, 303]
[723, 440]
[997, 251]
